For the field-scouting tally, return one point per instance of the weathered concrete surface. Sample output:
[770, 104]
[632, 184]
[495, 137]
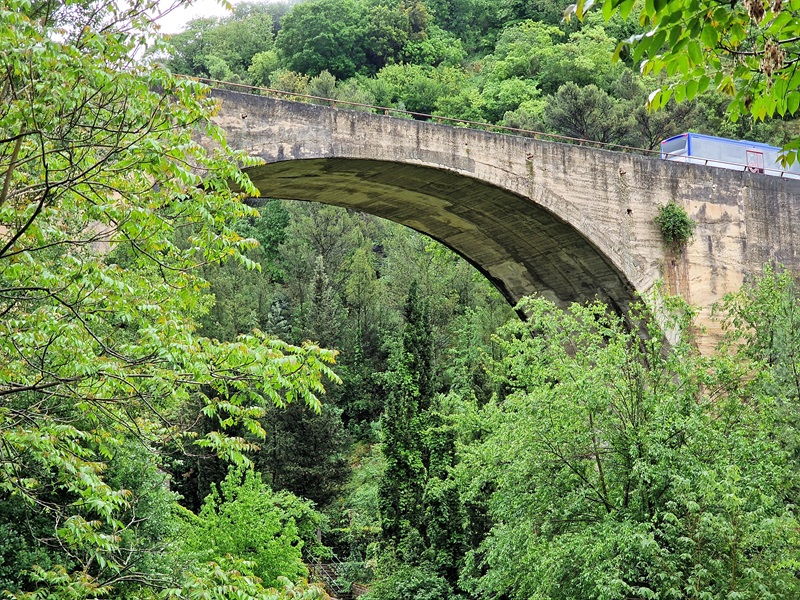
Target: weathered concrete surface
[570, 222]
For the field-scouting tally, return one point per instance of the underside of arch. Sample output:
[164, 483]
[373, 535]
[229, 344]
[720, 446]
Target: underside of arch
[518, 245]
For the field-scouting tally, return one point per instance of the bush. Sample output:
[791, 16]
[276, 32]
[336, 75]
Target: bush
[242, 518]
[411, 582]
[676, 225]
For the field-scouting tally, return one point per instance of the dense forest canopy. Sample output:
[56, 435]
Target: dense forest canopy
[519, 64]
[203, 399]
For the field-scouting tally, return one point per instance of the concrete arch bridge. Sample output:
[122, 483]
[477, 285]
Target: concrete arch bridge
[570, 222]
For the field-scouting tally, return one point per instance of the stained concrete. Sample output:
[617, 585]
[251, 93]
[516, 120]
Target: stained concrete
[573, 223]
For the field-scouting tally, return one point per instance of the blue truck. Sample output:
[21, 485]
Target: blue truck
[738, 155]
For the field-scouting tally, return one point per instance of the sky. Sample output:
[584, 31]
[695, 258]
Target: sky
[177, 19]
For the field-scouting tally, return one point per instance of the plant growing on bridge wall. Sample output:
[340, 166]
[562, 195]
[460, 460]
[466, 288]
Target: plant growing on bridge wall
[675, 224]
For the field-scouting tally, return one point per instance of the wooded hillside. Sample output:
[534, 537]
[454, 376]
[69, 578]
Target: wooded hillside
[207, 398]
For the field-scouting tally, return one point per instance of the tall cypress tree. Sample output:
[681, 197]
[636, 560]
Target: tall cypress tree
[418, 346]
[326, 317]
[421, 510]
[403, 483]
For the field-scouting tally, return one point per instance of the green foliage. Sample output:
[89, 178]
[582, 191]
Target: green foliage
[323, 85]
[304, 452]
[586, 113]
[740, 49]
[585, 59]
[529, 116]
[436, 48]
[21, 528]
[243, 518]
[472, 21]
[420, 506]
[323, 35]
[324, 306]
[289, 81]
[444, 514]
[402, 424]
[418, 87]
[387, 32]
[697, 502]
[762, 322]
[261, 68]
[356, 532]
[500, 97]
[675, 224]
[410, 582]
[623, 468]
[523, 50]
[545, 11]
[99, 344]
[224, 48]
[230, 578]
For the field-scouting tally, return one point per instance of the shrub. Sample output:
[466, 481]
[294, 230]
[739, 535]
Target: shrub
[675, 224]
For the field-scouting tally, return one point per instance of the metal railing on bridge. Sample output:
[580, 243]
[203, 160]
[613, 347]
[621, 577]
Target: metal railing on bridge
[398, 112]
[465, 123]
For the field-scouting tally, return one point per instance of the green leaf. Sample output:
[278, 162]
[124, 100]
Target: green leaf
[692, 87]
[695, 54]
[625, 8]
[793, 102]
[608, 9]
[679, 91]
[780, 22]
[709, 36]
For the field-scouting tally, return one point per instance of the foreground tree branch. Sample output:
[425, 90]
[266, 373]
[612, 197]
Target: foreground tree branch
[99, 351]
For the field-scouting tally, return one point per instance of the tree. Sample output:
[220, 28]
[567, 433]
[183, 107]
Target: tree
[522, 51]
[263, 65]
[419, 503]
[442, 524]
[653, 127]
[190, 48]
[99, 168]
[542, 11]
[324, 328]
[357, 526]
[587, 113]
[317, 230]
[762, 324]
[508, 95]
[243, 518]
[744, 49]
[417, 86]
[31, 541]
[304, 452]
[323, 35]
[223, 48]
[622, 468]
[387, 33]
[411, 581]
[402, 424]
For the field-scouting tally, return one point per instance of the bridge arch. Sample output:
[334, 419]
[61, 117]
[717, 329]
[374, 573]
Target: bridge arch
[520, 246]
[568, 221]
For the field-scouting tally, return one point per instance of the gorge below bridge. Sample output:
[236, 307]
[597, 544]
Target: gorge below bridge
[572, 223]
